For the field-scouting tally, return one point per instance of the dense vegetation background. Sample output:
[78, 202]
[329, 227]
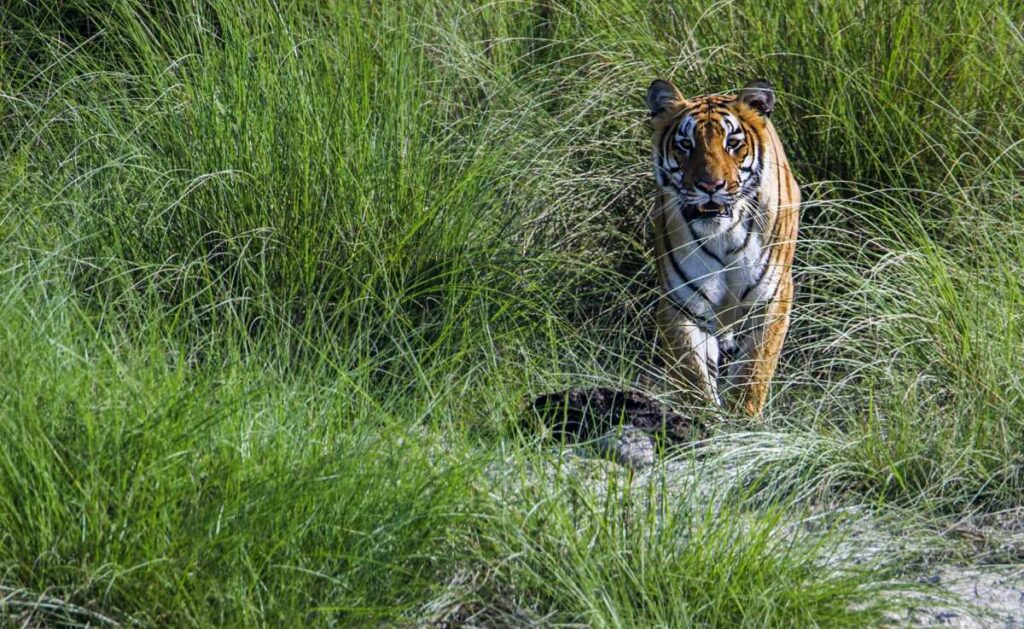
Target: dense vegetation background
[275, 279]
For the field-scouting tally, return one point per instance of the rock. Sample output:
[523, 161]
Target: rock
[629, 446]
[576, 415]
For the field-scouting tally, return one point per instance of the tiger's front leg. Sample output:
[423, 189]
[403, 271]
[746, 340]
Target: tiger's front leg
[750, 374]
[693, 352]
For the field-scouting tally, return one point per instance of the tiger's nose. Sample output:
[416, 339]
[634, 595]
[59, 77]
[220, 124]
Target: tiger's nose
[710, 186]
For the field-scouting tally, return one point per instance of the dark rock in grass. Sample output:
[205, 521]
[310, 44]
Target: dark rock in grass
[576, 415]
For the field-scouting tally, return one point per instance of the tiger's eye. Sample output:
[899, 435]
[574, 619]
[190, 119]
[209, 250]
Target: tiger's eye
[686, 145]
[734, 144]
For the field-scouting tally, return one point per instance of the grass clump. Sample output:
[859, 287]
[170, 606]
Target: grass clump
[636, 554]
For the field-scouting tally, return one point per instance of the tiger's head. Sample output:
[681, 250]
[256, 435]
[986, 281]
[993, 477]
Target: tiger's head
[709, 151]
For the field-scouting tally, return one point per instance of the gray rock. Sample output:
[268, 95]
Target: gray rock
[628, 446]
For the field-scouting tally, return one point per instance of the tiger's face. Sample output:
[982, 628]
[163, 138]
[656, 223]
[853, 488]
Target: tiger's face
[708, 151]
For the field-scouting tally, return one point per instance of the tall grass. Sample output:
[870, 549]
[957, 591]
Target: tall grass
[277, 277]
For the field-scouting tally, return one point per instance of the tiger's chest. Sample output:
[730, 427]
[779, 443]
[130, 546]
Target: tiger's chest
[715, 272]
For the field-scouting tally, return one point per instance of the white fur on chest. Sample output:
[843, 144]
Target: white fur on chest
[714, 266]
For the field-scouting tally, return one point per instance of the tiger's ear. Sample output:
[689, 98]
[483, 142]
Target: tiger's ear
[760, 95]
[660, 96]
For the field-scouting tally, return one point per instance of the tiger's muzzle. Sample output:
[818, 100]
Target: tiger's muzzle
[712, 203]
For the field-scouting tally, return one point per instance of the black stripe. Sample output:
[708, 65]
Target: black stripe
[764, 271]
[670, 252]
[746, 239]
[679, 271]
[711, 254]
[737, 223]
[666, 138]
[753, 182]
[775, 293]
[667, 245]
[703, 323]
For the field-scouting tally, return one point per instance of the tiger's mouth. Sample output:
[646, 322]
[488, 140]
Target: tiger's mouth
[712, 209]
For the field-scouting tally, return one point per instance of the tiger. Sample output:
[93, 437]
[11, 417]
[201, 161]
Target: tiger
[725, 228]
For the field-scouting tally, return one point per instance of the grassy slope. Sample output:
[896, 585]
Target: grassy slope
[274, 284]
